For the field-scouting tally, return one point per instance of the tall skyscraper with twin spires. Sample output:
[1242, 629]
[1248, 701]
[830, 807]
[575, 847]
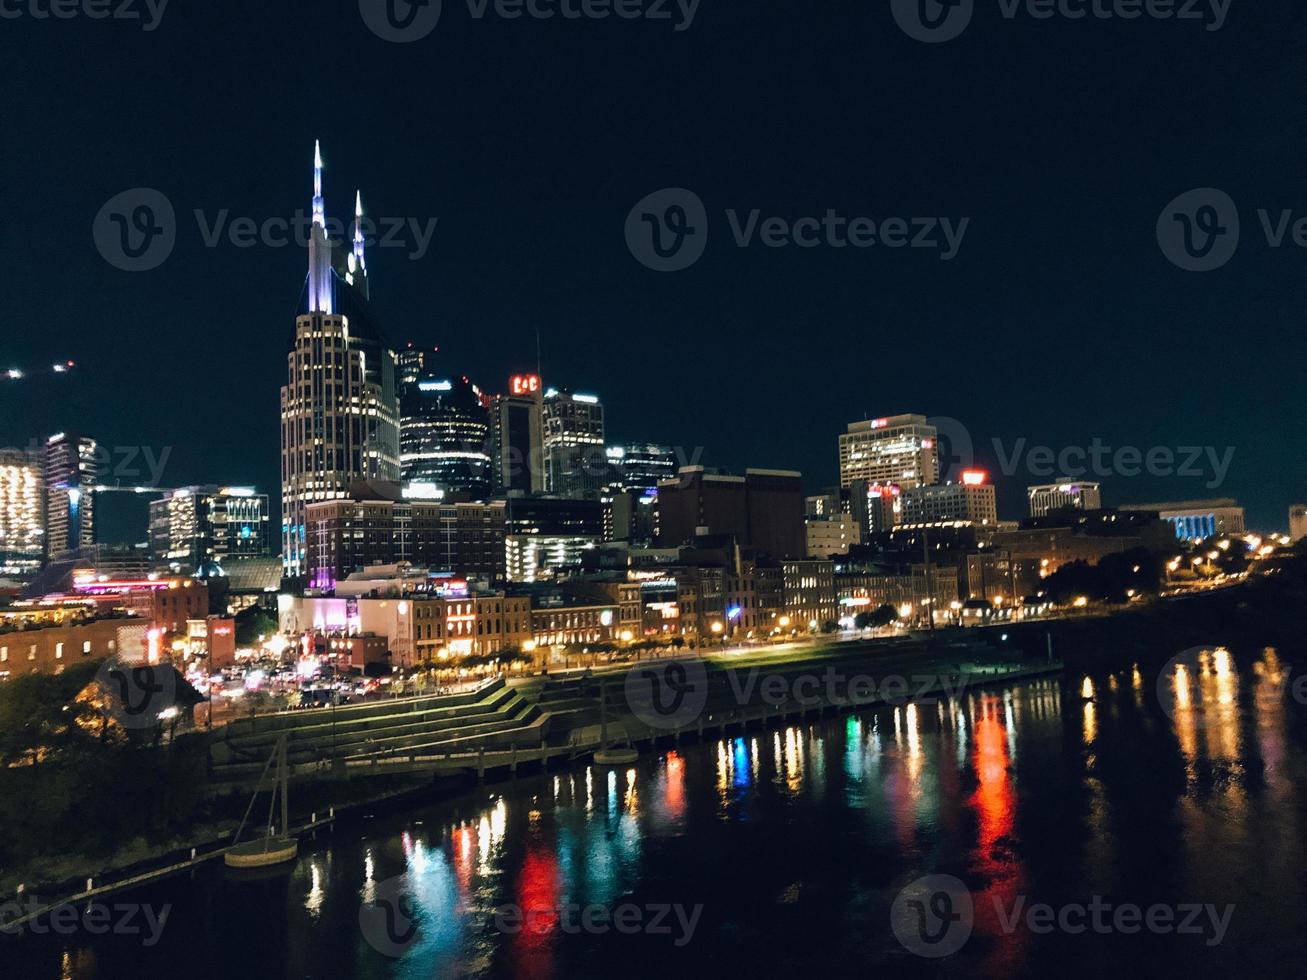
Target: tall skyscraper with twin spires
[339, 412]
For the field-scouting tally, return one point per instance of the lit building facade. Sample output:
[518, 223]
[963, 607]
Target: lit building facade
[640, 466]
[199, 524]
[339, 412]
[573, 440]
[71, 473]
[900, 449]
[1297, 522]
[832, 535]
[445, 436]
[972, 500]
[22, 514]
[1195, 520]
[1080, 494]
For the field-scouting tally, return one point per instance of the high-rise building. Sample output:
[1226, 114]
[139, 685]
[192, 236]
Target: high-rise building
[573, 438]
[71, 471]
[969, 501]
[410, 365]
[831, 535]
[900, 449]
[445, 436]
[1080, 494]
[640, 465]
[877, 507]
[22, 513]
[339, 412]
[1297, 522]
[516, 437]
[547, 535]
[195, 525]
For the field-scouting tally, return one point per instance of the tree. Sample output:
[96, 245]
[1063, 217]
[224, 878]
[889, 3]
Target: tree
[252, 623]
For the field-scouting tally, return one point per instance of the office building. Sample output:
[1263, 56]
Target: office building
[1195, 520]
[763, 509]
[410, 365]
[22, 513]
[573, 439]
[71, 473]
[547, 536]
[877, 507]
[444, 437]
[1297, 522]
[971, 501]
[345, 536]
[195, 525]
[900, 449]
[339, 411]
[833, 535]
[1080, 494]
[809, 594]
[640, 466]
[516, 437]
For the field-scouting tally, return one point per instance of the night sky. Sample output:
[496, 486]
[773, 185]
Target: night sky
[1058, 321]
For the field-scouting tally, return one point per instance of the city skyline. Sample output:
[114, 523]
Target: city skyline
[511, 256]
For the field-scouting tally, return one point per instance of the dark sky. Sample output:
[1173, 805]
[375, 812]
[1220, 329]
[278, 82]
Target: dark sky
[1059, 320]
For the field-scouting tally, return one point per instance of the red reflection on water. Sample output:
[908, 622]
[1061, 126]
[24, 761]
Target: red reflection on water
[675, 796]
[994, 802]
[538, 898]
[463, 843]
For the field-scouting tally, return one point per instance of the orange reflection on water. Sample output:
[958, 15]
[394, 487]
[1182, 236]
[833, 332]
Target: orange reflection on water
[994, 802]
[674, 796]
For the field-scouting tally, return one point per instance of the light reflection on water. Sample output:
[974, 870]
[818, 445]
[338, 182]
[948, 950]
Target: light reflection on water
[1064, 787]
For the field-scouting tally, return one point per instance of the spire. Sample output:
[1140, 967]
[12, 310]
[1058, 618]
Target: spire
[358, 232]
[320, 291]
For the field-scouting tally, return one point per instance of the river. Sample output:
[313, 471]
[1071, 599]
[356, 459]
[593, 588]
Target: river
[1071, 826]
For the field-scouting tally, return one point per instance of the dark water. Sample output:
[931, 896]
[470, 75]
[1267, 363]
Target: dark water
[794, 844]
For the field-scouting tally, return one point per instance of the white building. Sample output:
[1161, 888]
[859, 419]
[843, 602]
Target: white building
[971, 500]
[831, 535]
[900, 449]
[1080, 494]
[1298, 522]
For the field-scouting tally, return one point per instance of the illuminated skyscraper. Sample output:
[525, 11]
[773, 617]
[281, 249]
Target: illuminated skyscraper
[575, 464]
[339, 412]
[22, 513]
[199, 524]
[445, 436]
[901, 450]
[71, 471]
[517, 447]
